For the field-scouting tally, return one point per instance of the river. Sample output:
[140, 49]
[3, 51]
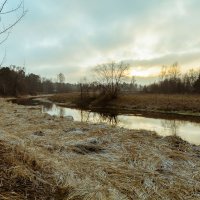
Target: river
[187, 130]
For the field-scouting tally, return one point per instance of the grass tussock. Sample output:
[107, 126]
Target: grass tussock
[87, 149]
[19, 177]
[45, 158]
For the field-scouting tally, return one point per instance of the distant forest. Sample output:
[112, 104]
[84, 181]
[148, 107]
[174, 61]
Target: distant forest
[14, 82]
[172, 81]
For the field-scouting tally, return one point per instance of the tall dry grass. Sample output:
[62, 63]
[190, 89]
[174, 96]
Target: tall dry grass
[65, 97]
[159, 102]
[188, 104]
[45, 157]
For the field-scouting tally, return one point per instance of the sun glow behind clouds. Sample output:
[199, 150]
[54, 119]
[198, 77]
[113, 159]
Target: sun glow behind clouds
[143, 33]
[140, 72]
[144, 46]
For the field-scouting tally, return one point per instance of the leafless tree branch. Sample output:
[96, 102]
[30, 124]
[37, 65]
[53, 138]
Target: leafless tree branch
[10, 26]
[21, 5]
[2, 61]
[110, 75]
[3, 5]
[5, 38]
[5, 32]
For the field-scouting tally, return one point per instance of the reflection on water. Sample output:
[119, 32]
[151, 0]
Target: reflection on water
[188, 131]
[172, 125]
[81, 115]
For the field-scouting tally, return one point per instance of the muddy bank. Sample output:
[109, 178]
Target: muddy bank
[75, 160]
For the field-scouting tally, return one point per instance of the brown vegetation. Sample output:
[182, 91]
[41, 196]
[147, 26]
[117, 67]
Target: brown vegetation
[166, 103]
[110, 77]
[172, 81]
[43, 156]
[19, 178]
[188, 104]
[15, 82]
[160, 102]
[68, 99]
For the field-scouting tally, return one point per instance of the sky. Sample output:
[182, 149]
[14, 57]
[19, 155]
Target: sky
[73, 36]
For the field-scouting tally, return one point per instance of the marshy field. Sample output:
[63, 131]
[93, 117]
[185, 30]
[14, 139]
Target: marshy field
[52, 157]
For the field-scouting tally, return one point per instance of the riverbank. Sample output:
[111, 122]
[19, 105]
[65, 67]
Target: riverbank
[175, 104]
[149, 104]
[44, 156]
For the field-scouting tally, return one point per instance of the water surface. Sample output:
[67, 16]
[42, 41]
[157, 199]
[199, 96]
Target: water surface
[164, 126]
[189, 131]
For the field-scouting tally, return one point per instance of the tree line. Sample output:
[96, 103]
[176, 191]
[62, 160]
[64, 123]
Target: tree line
[14, 82]
[110, 81]
[172, 81]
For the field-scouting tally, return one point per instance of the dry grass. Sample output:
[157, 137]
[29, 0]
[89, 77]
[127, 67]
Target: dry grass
[44, 157]
[19, 177]
[180, 104]
[159, 102]
[65, 98]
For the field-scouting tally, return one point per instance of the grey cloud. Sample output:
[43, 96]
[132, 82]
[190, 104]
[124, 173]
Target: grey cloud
[63, 36]
[169, 59]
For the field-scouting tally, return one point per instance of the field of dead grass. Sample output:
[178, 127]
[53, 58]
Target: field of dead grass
[158, 102]
[66, 98]
[46, 157]
[179, 104]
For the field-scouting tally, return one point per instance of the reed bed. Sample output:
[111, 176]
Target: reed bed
[46, 157]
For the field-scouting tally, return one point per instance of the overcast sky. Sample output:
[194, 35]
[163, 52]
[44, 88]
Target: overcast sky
[71, 36]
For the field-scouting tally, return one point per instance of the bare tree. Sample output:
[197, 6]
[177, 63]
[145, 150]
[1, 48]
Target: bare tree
[84, 88]
[19, 9]
[5, 28]
[189, 79]
[61, 78]
[60, 85]
[133, 84]
[163, 73]
[170, 72]
[110, 76]
[174, 71]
